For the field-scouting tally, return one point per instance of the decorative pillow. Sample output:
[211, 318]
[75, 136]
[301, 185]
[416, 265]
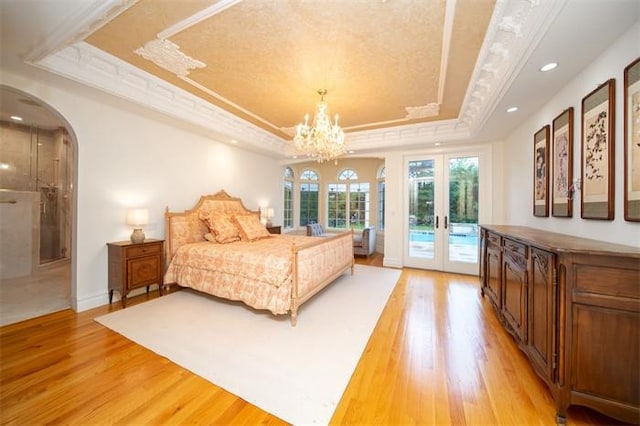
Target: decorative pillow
[250, 227]
[221, 226]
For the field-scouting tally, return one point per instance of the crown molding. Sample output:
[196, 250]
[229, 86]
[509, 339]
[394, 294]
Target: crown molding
[516, 28]
[88, 65]
[88, 18]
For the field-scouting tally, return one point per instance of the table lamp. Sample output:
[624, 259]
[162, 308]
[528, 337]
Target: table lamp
[137, 218]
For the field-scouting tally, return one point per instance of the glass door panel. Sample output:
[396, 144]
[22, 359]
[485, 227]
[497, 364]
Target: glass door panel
[442, 207]
[461, 222]
[423, 236]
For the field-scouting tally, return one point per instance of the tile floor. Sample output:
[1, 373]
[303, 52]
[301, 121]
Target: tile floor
[46, 291]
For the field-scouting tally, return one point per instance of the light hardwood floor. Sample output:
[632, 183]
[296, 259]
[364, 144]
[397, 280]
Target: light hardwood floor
[437, 356]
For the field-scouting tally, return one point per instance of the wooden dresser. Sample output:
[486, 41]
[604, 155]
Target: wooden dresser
[573, 307]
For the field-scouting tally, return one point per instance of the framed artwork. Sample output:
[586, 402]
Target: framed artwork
[562, 172]
[632, 141]
[541, 172]
[597, 149]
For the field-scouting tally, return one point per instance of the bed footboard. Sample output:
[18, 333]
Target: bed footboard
[317, 264]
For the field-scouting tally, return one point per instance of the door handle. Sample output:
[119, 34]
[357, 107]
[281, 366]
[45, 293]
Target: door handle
[445, 222]
[437, 221]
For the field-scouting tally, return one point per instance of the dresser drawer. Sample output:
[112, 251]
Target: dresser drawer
[494, 239]
[514, 247]
[143, 250]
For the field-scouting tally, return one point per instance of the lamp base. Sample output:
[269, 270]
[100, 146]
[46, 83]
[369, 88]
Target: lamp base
[137, 237]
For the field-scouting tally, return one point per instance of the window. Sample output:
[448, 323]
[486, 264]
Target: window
[381, 189]
[355, 213]
[348, 174]
[288, 198]
[309, 196]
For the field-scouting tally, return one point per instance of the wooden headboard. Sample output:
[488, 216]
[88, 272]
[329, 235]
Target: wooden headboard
[186, 227]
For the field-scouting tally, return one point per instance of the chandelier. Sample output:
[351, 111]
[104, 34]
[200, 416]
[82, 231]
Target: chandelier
[324, 141]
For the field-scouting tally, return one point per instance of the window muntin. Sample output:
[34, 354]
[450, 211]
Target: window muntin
[309, 197]
[287, 210]
[348, 174]
[343, 214]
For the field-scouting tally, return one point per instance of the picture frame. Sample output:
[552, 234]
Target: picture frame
[632, 141]
[541, 172]
[597, 188]
[562, 188]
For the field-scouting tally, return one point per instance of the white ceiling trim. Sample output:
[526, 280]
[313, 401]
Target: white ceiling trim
[91, 66]
[196, 18]
[516, 28]
[88, 19]
[504, 52]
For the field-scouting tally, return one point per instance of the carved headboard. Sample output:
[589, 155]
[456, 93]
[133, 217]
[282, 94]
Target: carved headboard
[186, 227]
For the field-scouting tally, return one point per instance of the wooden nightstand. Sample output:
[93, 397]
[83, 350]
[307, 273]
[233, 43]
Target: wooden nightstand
[274, 229]
[135, 265]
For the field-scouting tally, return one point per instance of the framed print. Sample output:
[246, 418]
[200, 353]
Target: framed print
[562, 165]
[597, 150]
[632, 141]
[541, 172]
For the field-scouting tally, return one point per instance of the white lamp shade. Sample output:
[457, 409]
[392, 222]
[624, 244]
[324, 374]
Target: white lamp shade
[270, 213]
[138, 217]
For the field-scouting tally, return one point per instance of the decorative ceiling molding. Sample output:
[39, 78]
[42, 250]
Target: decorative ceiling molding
[89, 18]
[166, 54]
[196, 18]
[516, 28]
[424, 111]
[91, 66]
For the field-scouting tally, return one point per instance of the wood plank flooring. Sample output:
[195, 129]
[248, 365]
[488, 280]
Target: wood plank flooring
[437, 356]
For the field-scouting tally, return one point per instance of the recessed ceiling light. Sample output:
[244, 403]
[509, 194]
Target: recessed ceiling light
[351, 151]
[4, 166]
[549, 66]
[512, 109]
[16, 118]
[437, 144]
[233, 141]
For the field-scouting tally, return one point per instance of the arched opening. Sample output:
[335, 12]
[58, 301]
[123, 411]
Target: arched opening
[38, 176]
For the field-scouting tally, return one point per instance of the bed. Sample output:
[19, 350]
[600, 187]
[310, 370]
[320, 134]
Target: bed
[273, 272]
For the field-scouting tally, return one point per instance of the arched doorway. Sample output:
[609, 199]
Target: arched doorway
[37, 207]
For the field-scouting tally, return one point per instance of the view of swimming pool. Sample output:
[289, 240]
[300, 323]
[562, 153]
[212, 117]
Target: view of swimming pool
[427, 237]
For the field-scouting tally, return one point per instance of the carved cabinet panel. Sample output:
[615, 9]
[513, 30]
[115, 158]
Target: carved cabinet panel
[541, 341]
[514, 279]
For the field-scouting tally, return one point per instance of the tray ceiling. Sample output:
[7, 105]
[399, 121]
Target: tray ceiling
[384, 63]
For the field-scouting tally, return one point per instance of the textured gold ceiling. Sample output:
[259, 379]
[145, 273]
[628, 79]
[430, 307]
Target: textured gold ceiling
[265, 60]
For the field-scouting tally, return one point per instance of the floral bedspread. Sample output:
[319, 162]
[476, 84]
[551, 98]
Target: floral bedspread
[258, 273]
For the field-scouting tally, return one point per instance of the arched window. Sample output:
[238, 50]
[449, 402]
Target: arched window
[348, 203]
[309, 197]
[288, 198]
[381, 196]
[348, 174]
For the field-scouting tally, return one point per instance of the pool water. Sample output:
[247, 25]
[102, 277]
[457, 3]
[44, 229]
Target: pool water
[427, 237]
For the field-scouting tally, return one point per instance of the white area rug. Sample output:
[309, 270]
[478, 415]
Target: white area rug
[295, 373]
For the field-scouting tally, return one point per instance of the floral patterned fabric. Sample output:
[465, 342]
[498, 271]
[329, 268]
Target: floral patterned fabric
[221, 226]
[260, 273]
[250, 227]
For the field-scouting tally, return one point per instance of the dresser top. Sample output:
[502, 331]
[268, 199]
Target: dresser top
[561, 243]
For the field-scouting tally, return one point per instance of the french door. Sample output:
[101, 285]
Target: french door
[442, 204]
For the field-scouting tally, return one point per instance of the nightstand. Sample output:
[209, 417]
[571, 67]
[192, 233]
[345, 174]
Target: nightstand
[274, 229]
[133, 266]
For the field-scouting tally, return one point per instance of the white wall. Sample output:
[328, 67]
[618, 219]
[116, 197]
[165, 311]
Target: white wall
[128, 156]
[518, 148]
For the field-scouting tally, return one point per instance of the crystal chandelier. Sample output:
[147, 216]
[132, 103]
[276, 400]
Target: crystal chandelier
[324, 141]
